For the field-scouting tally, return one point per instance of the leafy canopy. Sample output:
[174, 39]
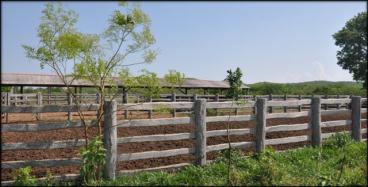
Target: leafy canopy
[352, 39]
[234, 79]
[174, 78]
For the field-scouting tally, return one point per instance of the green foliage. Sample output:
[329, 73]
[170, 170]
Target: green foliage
[146, 84]
[308, 88]
[49, 181]
[338, 140]
[352, 39]
[234, 79]
[93, 160]
[5, 88]
[23, 177]
[341, 164]
[174, 78]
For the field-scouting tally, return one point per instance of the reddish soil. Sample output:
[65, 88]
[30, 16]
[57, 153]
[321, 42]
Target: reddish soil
[73, 133]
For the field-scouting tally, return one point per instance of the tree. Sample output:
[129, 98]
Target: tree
[61, 45]
[97, 58]
[146, 84]
[173, 79]
[352, 39]
[235, 82]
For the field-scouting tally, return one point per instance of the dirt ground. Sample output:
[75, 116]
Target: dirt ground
[74, 133]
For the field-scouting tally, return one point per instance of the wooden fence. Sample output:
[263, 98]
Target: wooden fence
[65, 99]
[199, 119]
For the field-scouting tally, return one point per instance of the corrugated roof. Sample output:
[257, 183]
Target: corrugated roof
[24, 79]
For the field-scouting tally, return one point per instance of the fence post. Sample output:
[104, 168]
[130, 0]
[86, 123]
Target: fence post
[173, 99]
[195, 97]
[270, 98]
[355, 118]
[348, 105]
[285, 107]
[200, 131]
[338, 105]
[150, 111]
[109, 138]
[70, 101]
[254, 108]
[7, 104]
[261, 115]
[325, 105]
[300, 106]
[98, 98]
[125, 101]
[217, 99]
[39, 102]
[316, 121]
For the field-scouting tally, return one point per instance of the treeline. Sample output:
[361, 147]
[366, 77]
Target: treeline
[308, 88]
[263, 88]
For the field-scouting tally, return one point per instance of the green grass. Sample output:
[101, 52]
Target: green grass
[341, 161]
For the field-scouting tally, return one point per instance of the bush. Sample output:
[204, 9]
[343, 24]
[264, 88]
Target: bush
[23, 177]
[93, 161]
[338, 140]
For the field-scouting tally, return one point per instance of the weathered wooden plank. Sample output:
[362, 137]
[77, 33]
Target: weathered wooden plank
[156, 137]
[41, 163]
[156, 106]
[43, 126]
[153, 122]
[44, 145]
[293, 127]
[244, 131]
[230, 118]
[335, 101]
[355, 117]
[230, 104]
[288, 115]
[363, 131]
[363, 110]
[109, 139]
[47, 108]
[154, 154]
[200, 131]
[166, 168]
[363, 120]
[288, 102]
[287, 140]
[315, 121]
[335, 123]
[65, 177]
[335, 112]
[261, 117]
[218, 147]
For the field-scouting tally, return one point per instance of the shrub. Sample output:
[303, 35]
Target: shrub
[93, 160]
[23, 177]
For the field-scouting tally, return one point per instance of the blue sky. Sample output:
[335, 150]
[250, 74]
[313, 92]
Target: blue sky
[269, 41]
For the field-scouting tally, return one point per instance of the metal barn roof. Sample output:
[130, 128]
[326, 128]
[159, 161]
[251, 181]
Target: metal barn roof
[23, 79]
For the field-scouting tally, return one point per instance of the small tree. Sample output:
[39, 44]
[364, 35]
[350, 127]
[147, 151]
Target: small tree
[235, 82]
[96, 58]
[352, 39]
[174, 79]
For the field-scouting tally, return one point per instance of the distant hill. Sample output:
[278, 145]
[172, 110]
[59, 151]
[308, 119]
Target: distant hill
[314, 83]
[309, 88]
